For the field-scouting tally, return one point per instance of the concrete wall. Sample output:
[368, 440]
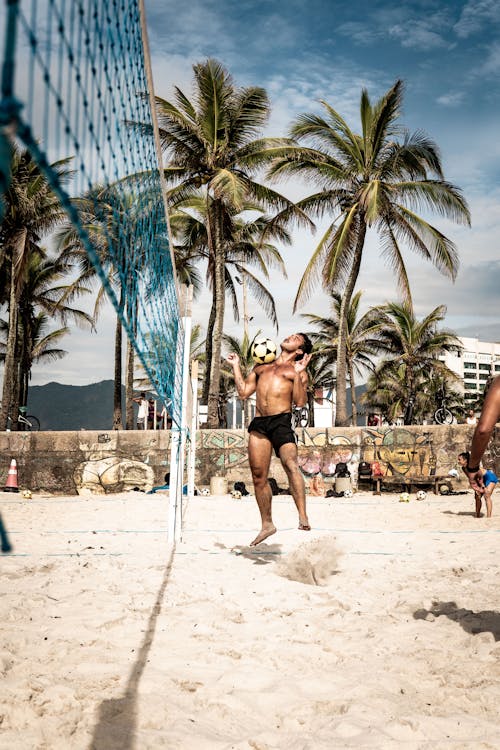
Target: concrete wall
[53, 461]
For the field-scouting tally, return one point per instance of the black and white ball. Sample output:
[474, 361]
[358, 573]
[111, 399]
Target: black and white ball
[263, 351]
[421, 495]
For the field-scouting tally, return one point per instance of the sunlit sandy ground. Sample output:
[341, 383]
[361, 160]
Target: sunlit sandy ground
[378, 629]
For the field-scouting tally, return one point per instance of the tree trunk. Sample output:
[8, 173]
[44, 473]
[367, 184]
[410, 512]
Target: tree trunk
[341, 406]
[410, 394]
[354, 402]
[9, 375]
[129, 388]
[310, 404]
[208, 356]
[219, 299]
[117, 388]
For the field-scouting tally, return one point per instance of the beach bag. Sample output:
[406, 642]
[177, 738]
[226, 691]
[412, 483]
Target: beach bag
[341, 470]
[240, 487]
[364, 469]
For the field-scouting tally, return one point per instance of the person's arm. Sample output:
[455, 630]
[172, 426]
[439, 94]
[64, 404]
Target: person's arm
[490, 415]
[300, 381]
[245, 387]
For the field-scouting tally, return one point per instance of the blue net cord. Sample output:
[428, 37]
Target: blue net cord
[80, 77]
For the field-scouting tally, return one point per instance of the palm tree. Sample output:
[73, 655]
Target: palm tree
[362, 342]
[113, 217]
[414, 347]
[211, 144]
[31, 211]
[44, 298]
[321, 372]
[250, 246]
[374, 179]
[243, 348]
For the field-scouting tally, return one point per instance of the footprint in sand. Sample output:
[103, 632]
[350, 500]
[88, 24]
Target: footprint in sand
[312, 563]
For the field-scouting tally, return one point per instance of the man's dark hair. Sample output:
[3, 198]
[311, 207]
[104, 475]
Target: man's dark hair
[306, 346]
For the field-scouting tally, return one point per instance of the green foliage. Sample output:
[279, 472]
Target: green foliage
[412, 368]
[375, 179]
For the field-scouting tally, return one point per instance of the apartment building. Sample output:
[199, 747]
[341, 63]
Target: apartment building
[474, 364]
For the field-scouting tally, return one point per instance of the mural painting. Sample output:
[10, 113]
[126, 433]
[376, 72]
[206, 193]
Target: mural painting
[218, 452]
[398, 451]
[320, 452]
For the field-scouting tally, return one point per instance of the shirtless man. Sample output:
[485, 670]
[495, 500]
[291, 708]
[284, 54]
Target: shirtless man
[490, 415]
[278, 386]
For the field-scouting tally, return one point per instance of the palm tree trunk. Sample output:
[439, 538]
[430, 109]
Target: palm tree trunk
[219, 299]
[310, 404]
[129, 388]
[117, 388]
[8, 391]
[341, 410]
[208, 356]
[354, 402]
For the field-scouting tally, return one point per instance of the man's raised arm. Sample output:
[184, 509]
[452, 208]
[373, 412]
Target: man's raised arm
[300, 381]
[244, 387]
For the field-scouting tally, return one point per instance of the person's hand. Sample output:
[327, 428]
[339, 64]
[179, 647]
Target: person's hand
[301, 365]
[233, 359]
[475, 480]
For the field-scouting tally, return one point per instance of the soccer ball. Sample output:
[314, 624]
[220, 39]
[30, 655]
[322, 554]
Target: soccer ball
[263, 351]
[236, 494]
[404, 497]
[205, 492]
[421, 495]
[27, 494]
[348, 493]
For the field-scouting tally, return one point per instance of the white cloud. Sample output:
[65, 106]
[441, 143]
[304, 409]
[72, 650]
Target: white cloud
[476, 14]
[452, 99]
[491, 65]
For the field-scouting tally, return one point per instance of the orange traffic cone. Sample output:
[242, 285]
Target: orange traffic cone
[11, 484]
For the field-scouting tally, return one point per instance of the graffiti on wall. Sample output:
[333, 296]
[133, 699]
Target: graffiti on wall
[220, 450]
[320, 452]
[399, 452]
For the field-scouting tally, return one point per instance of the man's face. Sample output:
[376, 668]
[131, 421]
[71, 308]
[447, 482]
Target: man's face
[292, 343]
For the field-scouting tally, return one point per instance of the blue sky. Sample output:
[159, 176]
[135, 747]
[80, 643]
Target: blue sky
[447, 53]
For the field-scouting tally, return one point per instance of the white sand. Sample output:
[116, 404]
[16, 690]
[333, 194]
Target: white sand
[312, 641]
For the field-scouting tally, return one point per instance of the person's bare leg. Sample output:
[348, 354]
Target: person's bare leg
[477, 495]
[288, 456]
[259, 456]
[487, 498]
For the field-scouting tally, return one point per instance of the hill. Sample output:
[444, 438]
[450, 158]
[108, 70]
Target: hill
[72, 407]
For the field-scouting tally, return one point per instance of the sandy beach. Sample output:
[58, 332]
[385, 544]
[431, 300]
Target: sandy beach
[377, 629]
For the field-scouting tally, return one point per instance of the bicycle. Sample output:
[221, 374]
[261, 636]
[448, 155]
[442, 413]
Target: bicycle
[26, 422]
[301, 416]
[443, 415]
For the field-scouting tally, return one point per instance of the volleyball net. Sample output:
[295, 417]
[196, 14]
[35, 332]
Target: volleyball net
[76, 84]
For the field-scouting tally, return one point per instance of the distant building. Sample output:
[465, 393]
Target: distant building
[474, 364]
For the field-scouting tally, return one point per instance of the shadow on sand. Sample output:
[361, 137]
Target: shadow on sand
[262, 554]
[117, 720]
[460, 513]
[485, 621]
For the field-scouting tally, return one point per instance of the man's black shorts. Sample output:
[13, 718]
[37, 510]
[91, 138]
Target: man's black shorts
[278, 428]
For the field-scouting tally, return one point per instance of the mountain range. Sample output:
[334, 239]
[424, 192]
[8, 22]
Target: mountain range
[89, 407]
[73, 407]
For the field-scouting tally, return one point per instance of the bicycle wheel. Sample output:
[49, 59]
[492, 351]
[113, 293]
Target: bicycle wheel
[32, 423]
[443, 416]
[302, 416]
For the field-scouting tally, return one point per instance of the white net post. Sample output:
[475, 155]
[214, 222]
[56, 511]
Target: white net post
[194, 427]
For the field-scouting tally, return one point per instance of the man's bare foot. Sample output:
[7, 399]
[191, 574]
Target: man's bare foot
[267, 530]
[304, 525]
